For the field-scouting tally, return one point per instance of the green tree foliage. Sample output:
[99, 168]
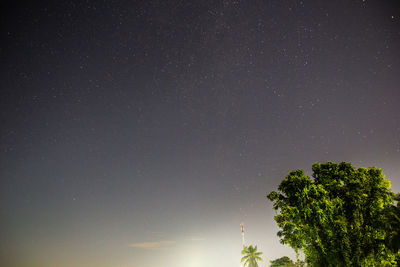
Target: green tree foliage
[282, 262]
[392, 224]
[336, 218]
[251, 256]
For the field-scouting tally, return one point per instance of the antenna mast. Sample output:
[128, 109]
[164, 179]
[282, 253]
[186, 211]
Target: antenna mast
[242, 228]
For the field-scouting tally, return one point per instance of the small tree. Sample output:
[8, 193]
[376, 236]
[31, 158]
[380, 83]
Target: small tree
[282, 262]
[251, 256]
[336, 219]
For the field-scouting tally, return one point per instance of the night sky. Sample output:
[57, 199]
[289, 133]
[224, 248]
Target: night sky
[142, 133]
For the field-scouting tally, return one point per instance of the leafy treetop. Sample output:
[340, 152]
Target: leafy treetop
[336, 218]
[282, 262]
[251, 256]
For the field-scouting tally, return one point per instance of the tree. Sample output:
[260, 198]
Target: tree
[392, 224]
[282, 262]
[336, 219]
[251, 256]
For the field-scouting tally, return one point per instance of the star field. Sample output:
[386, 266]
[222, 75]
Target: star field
[142, 133]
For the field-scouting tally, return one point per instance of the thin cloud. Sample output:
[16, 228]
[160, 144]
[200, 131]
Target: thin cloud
[162, 244]
[197, 239]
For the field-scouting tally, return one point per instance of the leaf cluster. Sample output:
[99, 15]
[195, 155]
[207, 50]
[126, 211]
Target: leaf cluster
[251, 256]
[282, 262]
[336, 217]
